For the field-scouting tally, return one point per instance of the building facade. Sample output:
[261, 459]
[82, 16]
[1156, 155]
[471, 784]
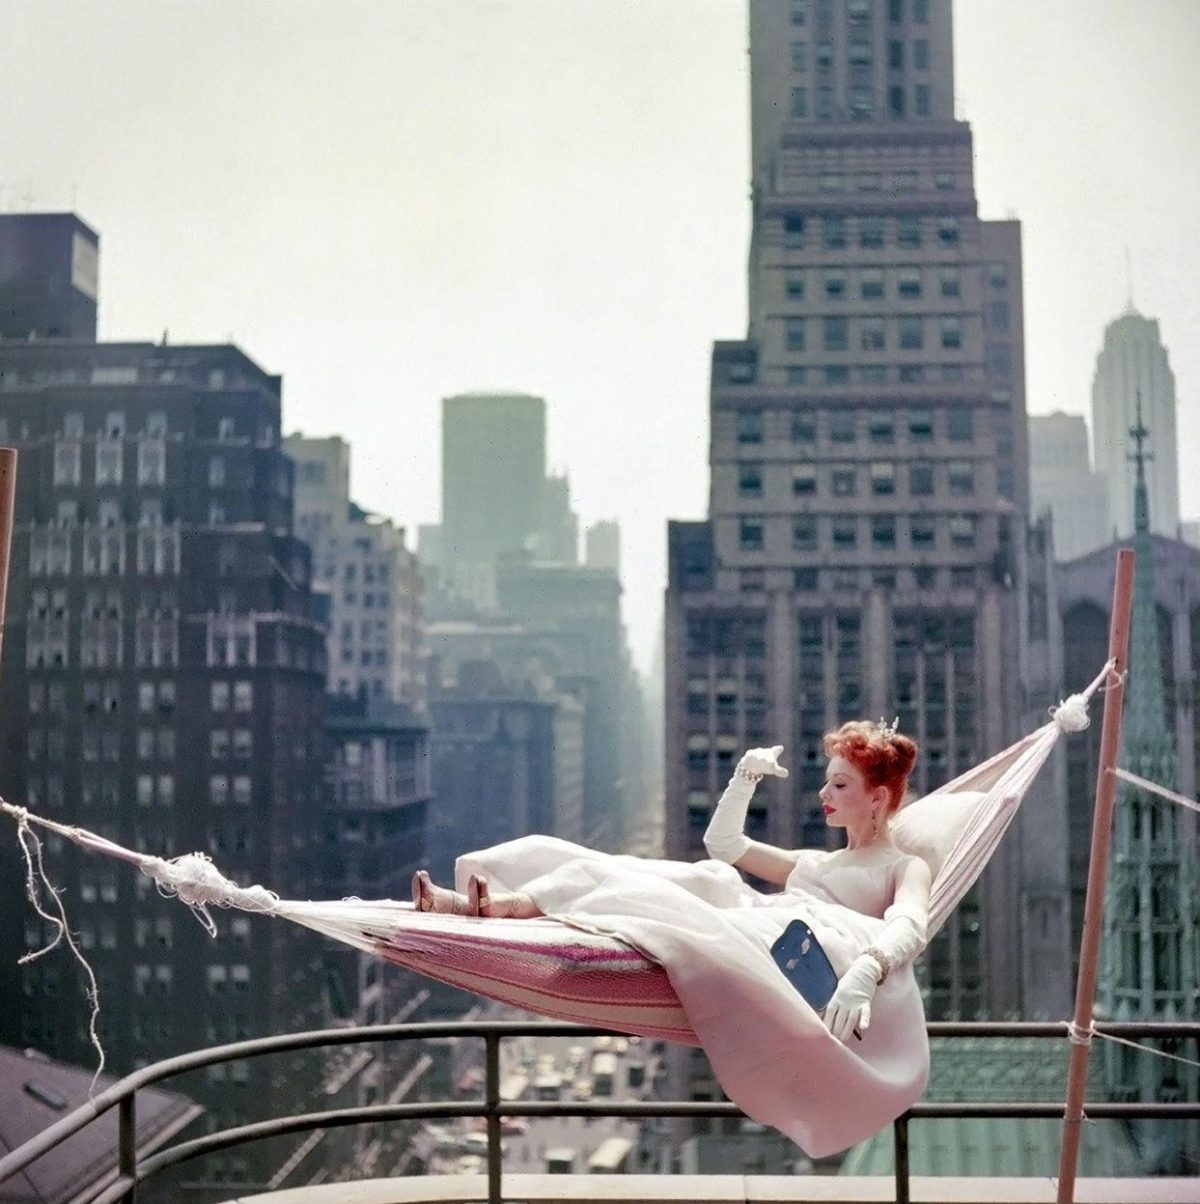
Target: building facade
[1062, 482]
[1133, 366]
[164, 686]
[864, 552]
[371, 582]
[49, 276]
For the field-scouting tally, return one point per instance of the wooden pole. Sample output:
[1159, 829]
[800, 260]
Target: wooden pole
[8, 498]
[1089, 949]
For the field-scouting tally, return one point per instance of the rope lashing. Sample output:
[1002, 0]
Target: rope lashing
[1154, 788]
[1077, 1036]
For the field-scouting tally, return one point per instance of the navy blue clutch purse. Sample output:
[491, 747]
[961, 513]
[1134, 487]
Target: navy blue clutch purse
[805, 964]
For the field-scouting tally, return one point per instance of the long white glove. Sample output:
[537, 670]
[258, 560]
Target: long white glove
[726, 839]
[901, 939]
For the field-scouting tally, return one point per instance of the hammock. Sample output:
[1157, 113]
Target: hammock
[547, 966]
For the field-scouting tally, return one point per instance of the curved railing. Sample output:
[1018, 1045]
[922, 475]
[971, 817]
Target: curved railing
[131, 1172]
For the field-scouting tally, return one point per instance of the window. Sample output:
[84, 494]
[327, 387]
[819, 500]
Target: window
[750, 480]
[793, 333]
[896, 100]
[806, 580]
[869, 182]
[951, 332]
[882, 428]
[997, 274]
[804, 428]
[804, 534]
[920, 480]
[218, 744]
[905, 181]
[922, 532]
[948, 231]
[799, 57]
[749, 426]
[835, 285]
[68, 462]
[844, 483]
[843, 427]
[804, 480]
[883, 532]
[920, 12]
[921, 54]
[793, 231]
[834, 330]
[824, 55]
[948, 281]
[872, 334]
[799, 12]
[961, 477]
[999, 359]
[243, 696]
[896, 55]
[242, 792]
[825, 104]
[108, 461]
[862, 102]
[218, 789]
[997, 312]
[73, 425]
[800, 101]
[837, 374]
[962, 530]
[961, 424]
[883, 478]
[908, 230]
[216, 472]
[833, 232]
[750, 535]
[871, 284]
[920, 426]
[797, 374]
[832, 182]
[870, 232]
[908, 283]
[911, 336]
[943, 181]
[911, 374]
[845, 535]
[793, 284]
[152, 462]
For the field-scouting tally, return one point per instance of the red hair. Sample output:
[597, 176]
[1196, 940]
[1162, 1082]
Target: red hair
[883, 759]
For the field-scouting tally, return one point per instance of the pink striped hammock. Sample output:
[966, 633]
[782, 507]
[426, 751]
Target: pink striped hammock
[547, 966]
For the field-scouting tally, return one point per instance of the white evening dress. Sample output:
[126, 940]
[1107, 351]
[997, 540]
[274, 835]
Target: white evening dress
[712, 933]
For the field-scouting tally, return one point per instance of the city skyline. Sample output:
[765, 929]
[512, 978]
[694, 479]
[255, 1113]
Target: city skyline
[407, 216]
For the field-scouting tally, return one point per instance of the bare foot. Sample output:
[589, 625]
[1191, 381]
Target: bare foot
[427, 896]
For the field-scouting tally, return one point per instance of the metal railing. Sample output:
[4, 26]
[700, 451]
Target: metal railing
[131, 1172]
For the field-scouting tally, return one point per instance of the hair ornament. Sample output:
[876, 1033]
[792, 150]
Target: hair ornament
[887, 730]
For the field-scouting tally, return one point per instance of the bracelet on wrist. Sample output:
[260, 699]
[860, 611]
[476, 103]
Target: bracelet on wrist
[747, 775]
[885, 962]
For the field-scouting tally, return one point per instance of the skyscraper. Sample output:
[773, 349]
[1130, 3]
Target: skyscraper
[493, 478]
[1061, 480]
[869, 472]
[1133, 364]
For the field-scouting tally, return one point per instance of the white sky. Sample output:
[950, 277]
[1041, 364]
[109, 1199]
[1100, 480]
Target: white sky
[389, 201]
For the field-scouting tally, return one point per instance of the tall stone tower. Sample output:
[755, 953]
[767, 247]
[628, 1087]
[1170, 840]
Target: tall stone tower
[1151, 915]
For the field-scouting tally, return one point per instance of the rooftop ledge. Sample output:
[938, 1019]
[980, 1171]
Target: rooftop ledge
[732, 1189]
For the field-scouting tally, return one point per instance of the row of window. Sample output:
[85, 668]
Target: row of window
[860, 53]
[860, 98]
[907, 231]
[820, 12]
[880, 532]
[998, 365]
[908, 285]
[920, 425]
[881, 476]
[875, 333]
[847, 580]
[101, 645]
[101, 552]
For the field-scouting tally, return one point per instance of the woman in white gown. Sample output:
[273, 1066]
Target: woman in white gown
[826, 1082]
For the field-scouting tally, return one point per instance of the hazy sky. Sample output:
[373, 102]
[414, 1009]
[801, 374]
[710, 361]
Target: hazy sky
[389, 201]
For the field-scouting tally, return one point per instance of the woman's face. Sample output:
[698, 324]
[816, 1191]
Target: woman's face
[846, 798]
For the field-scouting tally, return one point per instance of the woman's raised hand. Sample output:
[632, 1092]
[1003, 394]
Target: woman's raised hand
[762, 761]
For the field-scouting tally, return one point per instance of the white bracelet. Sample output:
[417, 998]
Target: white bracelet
[747, 775]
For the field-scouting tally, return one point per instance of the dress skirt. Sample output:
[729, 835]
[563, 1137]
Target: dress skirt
[712, 933]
